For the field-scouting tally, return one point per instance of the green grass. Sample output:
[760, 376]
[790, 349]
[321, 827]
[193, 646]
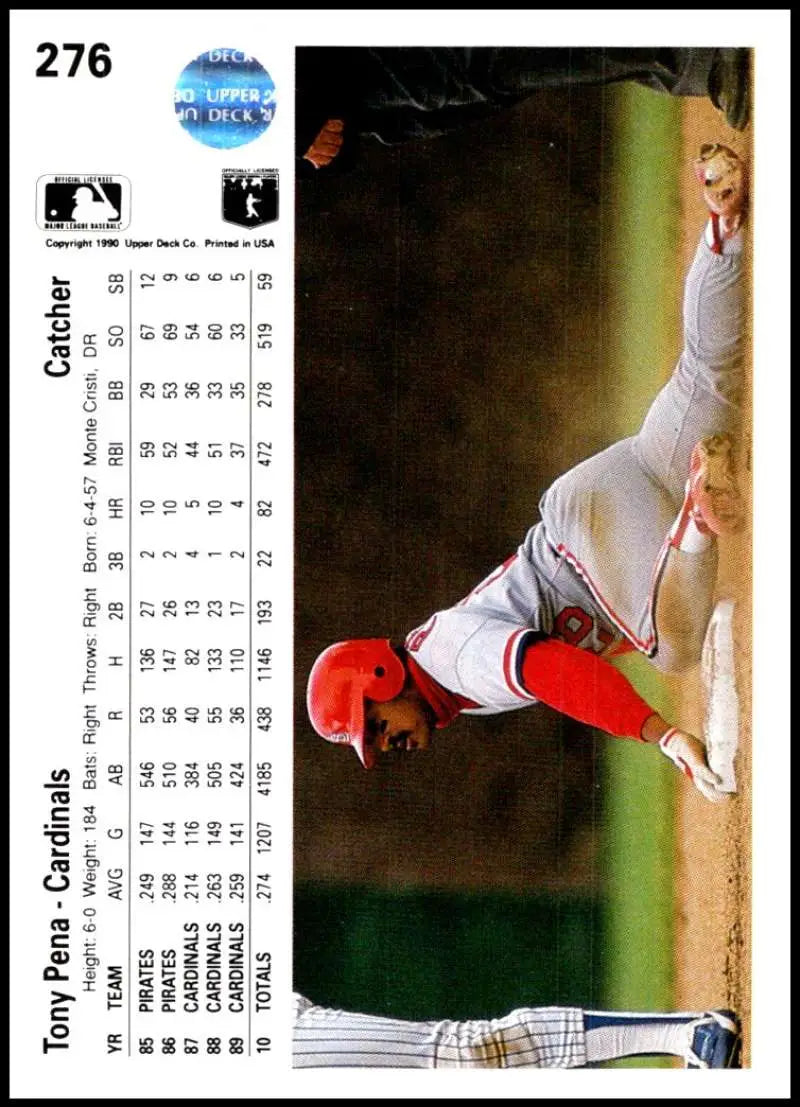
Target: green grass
[423, 954]
[637, 859]
[644, 319]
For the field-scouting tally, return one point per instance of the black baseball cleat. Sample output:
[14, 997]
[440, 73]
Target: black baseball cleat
[716, 1041]
[729, 85]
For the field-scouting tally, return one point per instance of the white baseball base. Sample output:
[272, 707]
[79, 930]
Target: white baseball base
[721, 733]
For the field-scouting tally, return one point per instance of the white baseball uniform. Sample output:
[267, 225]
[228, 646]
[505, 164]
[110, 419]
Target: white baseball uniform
[588, 573]
[543, 1037]
[534, 1037]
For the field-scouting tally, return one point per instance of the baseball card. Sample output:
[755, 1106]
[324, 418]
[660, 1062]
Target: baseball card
[399, 491]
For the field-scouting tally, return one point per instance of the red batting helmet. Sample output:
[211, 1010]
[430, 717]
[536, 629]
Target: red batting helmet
[341, 677]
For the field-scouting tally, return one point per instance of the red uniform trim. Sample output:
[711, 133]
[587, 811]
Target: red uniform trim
[646, 645]
[680, 529]
[511, 665]
[415, 639]
[716, 234]
[664, 742]
[490, 579]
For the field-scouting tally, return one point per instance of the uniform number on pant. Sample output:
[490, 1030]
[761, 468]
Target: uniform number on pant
[574, 625]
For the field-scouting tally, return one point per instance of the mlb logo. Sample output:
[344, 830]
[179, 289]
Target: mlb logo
[90, 202]
[250, 198]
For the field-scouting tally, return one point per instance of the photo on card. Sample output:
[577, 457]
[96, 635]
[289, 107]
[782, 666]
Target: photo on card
[522, 557]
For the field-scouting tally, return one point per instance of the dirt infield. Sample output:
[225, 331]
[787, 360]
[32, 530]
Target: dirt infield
[713, 861]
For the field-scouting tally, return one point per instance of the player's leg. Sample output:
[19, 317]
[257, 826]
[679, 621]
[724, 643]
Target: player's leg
[567, 1037]
[703, 396]
[536, 1037]
[607, 518]
[722, 74]
[551, 1037]
[613, 517]
[710, 1039]
[691, 71]
[683, 588]
[429, 79]
[688, 440]
[330, 1038]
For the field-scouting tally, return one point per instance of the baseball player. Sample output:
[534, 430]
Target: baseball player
[624, 558]
[396, 94]
[88, 210]
[537, 1037]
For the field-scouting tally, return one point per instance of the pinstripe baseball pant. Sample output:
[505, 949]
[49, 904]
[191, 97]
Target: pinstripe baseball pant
[534, 1037]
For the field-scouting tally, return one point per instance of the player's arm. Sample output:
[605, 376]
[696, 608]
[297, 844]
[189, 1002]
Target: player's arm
[584, 686]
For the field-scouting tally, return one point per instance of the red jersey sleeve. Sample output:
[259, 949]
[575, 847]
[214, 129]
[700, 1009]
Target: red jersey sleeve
[582, 685]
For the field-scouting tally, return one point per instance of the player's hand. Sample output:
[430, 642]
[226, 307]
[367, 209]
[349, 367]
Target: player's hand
[326, 145]
[689, 754]
[723, 177]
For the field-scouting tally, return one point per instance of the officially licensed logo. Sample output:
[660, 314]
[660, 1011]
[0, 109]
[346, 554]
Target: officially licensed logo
[225, 98]
[93, 202]
[249, 197]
